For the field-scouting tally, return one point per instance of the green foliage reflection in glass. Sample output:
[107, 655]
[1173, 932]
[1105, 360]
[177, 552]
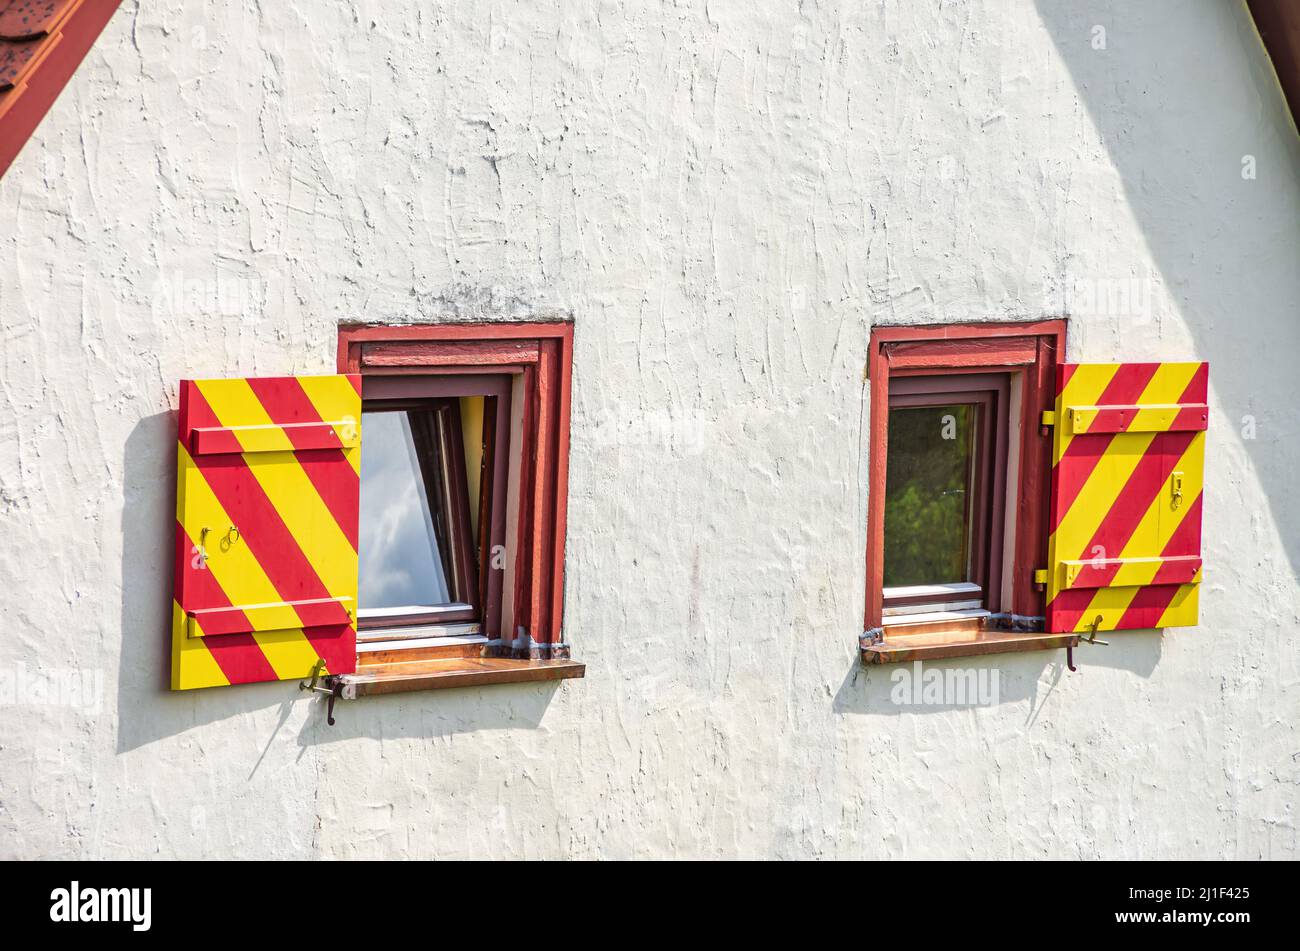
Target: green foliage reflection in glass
[927, 488]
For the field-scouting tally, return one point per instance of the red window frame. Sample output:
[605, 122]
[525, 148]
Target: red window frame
[541, 354]
[1031, 348]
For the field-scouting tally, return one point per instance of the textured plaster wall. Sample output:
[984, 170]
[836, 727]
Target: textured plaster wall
[725, 196]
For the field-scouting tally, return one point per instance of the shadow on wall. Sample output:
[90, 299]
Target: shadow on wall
[148, 710]
[1187, 106]
[431, 714]
[961, 683]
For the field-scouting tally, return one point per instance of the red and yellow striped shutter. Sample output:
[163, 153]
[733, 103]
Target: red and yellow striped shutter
[267, 492]
[1128, 461]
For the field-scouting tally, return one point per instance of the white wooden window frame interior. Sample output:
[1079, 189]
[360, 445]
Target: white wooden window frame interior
[951, 601]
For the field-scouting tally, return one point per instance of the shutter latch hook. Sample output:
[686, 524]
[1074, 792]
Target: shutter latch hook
[315, 675]
[1092, 633]
[332, 688]
[1090, 639]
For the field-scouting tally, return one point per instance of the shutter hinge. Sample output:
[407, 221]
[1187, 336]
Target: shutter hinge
[1040, 576]
[1049, 418]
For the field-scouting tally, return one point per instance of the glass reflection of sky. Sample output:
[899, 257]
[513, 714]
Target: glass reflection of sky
[398, 549]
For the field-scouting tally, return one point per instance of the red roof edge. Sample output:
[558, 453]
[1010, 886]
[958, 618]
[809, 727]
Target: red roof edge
[19, 118]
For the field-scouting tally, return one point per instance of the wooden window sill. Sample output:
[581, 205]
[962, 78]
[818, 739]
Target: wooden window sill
[443, 672]
[934, 645]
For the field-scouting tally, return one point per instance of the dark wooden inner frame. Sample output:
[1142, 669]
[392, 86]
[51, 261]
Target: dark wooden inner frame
[1031, 349]
[471, 578]
[539, 357]
[986, 503]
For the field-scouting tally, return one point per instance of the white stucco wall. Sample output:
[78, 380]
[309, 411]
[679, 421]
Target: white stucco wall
[725, 196]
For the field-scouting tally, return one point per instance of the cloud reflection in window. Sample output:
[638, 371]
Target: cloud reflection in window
[399, 561]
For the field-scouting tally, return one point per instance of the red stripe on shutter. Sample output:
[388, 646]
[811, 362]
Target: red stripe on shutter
[1068, 606]
[1198, 388]
[1071, 472]
[238, 656]
[1145, 482]
[334, 645]
[199, 584]
[1064, 372]
[328, 470]
[1097, 576]
[223, 440]
[1147, 607]
[1121, 520]
[1186, 539]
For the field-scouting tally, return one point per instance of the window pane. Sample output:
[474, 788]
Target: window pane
[927, 490]
[401, 565]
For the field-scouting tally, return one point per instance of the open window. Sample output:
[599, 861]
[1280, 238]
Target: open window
[433, 500]
[945, 495]
[463, 504]
[398, 526]
[1019, 502]
[958, 495]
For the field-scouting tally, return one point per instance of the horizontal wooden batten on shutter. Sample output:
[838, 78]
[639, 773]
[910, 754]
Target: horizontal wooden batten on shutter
[281, 615]
[1127, 572]
[1171, 417]
[344, 434]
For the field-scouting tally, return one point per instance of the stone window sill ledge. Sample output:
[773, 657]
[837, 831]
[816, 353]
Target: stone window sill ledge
[441, 673]
[899, 647]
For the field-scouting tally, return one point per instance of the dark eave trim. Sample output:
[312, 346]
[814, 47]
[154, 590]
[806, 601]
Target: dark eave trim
[1278, 22]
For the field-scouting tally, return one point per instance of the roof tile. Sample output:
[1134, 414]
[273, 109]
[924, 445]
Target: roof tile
[14, 58]
[27, 19]
[28, 30]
